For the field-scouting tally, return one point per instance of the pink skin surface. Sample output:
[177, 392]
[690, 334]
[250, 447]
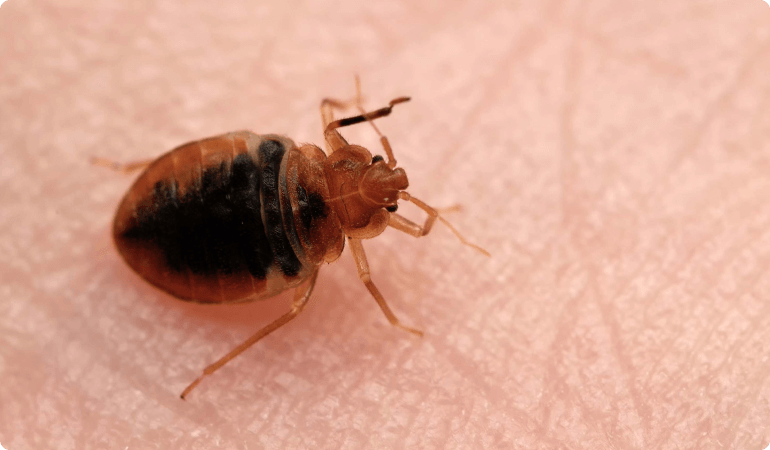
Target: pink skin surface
[613, 157]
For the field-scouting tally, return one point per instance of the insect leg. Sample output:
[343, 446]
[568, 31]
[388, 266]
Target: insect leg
[301, 296]
[122, 167]
[456, 208]
[357, 249]
[328, 105]
[383, 138]
[332, 136]
[405, 225]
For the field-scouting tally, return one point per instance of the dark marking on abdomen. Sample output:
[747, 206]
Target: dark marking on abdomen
[270, 154]
[215, 228]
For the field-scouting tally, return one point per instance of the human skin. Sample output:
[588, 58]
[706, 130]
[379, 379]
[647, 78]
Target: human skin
[612, 156]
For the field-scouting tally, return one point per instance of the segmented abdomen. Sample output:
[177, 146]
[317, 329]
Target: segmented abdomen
[206, 221]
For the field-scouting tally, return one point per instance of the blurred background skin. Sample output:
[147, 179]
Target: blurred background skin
[613, 157]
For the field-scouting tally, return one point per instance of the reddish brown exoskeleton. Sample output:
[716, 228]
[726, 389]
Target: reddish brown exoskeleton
[243, 216]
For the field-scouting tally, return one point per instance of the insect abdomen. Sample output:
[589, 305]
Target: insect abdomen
[204, 222]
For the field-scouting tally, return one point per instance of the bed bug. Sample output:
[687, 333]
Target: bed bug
[243, 216]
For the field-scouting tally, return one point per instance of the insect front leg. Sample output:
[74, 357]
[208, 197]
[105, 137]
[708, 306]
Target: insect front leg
[405, 225]
[334, 139]
[357, 250]
[301, 296]
[328, 105]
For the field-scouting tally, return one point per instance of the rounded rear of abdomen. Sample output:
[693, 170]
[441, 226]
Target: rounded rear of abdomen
[204, 221]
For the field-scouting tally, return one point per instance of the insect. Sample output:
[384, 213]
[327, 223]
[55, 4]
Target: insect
[243, 216]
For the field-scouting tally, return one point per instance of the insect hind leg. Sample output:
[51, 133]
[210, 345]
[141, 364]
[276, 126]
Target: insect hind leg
[301, 296]
[125, 168]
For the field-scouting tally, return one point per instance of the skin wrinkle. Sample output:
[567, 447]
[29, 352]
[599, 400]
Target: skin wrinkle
[495, 394]
[566, 168]
[438, 24]
[101, 353]
[663, 67]
[520, 48]
[651, 22]
[586, 411]
[762, 377]
[646, 200]
[648, 300]
[761, 166]
[705, 339]
[672, 276]
[626, 284]
[676, 388]
[712, 112]
[466, 422]
[609, 317]
[566, 117]
[746, 289]
[761, 380]
[306, 405]
[411, 419]
[555, 354]
[538, 261]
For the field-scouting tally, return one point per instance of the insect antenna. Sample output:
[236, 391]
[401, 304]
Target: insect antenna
[407, 226]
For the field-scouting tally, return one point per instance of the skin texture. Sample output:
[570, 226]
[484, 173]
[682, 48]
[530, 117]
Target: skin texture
[612, 156]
